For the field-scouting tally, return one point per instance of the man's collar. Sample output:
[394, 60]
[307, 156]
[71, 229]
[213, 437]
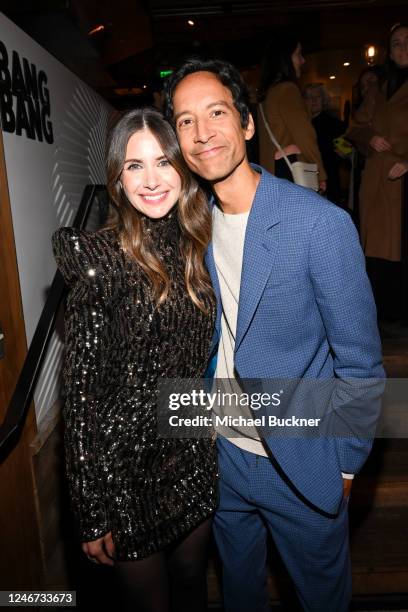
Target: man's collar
[259, 169]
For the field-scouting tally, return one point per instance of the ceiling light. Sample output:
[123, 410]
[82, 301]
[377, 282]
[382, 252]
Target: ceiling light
[346, 64]
[96, 29]
[332, 76]
[371, 53]
[190, 22]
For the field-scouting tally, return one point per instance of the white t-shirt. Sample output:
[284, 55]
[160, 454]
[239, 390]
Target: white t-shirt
[228, 245]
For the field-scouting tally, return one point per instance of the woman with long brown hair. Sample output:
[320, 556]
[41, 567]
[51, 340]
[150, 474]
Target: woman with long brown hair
[283, 111]
[140, 308]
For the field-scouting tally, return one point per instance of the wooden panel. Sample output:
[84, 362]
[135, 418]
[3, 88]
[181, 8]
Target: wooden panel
[53, 505]
[20, 560]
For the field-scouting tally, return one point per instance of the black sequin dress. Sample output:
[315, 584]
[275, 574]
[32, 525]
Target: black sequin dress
[148, 491]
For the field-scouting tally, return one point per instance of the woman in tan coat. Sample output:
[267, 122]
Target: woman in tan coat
[285, 111]
[384, 130]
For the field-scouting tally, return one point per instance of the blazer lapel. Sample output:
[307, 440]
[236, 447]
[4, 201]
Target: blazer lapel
[260, 247]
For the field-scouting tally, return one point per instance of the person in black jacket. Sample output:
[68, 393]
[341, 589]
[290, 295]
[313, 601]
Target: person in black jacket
[327, 129]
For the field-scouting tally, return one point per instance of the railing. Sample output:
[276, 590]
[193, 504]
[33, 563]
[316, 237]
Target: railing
[17, 409]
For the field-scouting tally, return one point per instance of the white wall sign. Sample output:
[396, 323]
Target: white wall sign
[54, 130]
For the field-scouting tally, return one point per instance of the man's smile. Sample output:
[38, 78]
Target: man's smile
[206, 153]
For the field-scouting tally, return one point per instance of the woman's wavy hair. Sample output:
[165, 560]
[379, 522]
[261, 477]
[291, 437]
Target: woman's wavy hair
[357, 96]
[193, 214]
[320, 88]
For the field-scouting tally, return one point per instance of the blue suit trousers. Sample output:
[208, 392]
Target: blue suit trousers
[314, 548]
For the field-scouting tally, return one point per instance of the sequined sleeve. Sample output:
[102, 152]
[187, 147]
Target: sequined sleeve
[86, 330]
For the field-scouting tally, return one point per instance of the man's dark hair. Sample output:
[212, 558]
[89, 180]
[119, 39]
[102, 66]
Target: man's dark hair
[225, 72]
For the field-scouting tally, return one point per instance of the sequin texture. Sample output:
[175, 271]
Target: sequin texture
[148, 491]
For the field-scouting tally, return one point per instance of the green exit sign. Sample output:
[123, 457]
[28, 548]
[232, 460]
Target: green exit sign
[165, 73]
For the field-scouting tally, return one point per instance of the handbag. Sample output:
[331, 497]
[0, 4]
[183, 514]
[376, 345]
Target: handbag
[303, 174]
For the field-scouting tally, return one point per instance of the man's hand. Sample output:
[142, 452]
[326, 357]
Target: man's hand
[100, 550]
[380, 144]
[347, 484]
[398, 170]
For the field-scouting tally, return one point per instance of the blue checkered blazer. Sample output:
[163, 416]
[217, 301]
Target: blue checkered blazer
[306, 310]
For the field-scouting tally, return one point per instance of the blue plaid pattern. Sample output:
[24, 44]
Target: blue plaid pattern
[314, 548]
[306, 310]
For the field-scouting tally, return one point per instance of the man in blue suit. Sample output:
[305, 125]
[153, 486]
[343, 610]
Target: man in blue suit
[294, 302]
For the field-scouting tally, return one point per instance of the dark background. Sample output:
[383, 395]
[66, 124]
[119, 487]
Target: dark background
[139, 38]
